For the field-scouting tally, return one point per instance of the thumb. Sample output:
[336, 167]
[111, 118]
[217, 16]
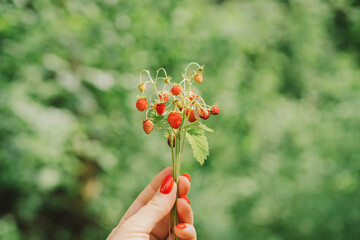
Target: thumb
[156, 209]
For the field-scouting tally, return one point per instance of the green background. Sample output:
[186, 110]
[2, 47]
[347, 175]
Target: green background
[285, 156]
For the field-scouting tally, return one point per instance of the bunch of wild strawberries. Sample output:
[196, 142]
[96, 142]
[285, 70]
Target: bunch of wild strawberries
[180, 99]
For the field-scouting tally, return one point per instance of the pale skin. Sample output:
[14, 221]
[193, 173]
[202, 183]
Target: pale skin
[148, 216]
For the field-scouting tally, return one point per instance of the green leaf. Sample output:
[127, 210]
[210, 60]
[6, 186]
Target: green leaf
[199, 145]
[197, 128]
[196, 137]
[195, 131]
[206, 128]
[159, 121]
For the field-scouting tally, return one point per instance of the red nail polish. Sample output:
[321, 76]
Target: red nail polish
[167, 185]
[181, 225]
[187, 176]
[184, 197]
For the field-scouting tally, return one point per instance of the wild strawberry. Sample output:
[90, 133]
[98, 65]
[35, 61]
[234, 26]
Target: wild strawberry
[192, 95]
[203, 113]
[173, 143]
[198, 78]
[174, 120]
[191, 115]
[142, 87]
[215, 110]
[141, 104]
[148, 126]
[176, 90]
[160, 108]
[164, 97]
[207, 115]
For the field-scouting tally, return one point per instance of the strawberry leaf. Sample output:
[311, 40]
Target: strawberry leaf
[197, 128]
[159, 121]
[199, 145]
[206, 128]
[196, 131]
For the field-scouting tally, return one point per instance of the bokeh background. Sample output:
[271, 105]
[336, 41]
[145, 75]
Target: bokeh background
[285, 156]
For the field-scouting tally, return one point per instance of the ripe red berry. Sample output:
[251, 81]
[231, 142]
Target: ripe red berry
[215, 110]
[148, 126]
[192, 95]
[198, 78]
[176, 90]
[173, 143]
[174, 120]
[160, 108]
[141, 104]
[207, 115]
[191, 115]
[164, 97]
[203, 113]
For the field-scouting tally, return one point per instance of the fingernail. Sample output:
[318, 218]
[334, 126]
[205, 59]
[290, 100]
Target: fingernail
[181, 225]
[184, 197]
[167, 185]
[187, 176]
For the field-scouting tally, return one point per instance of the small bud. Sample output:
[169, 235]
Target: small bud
[167, 80]
[179, 104]
[142, 87]
[168, 140]
[201, 69]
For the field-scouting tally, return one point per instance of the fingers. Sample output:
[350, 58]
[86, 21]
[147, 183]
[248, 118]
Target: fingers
[161, 229]
[155, 210]
[153, 206]
[184, 210]
[185, 231]
[184, 185]
[145, 196]
[183, 203]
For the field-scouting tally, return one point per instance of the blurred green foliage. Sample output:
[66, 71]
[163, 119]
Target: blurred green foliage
[285, 156]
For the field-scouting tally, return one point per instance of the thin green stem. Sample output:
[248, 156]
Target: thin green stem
[192, 63]
[148, 73]
[172, 147]
[173, 171]
[179, 157]
[157, 72]
[183, 143]
[154, 85]
[176, 171]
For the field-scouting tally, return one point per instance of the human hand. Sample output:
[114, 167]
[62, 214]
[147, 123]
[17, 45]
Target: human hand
[149, 215]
